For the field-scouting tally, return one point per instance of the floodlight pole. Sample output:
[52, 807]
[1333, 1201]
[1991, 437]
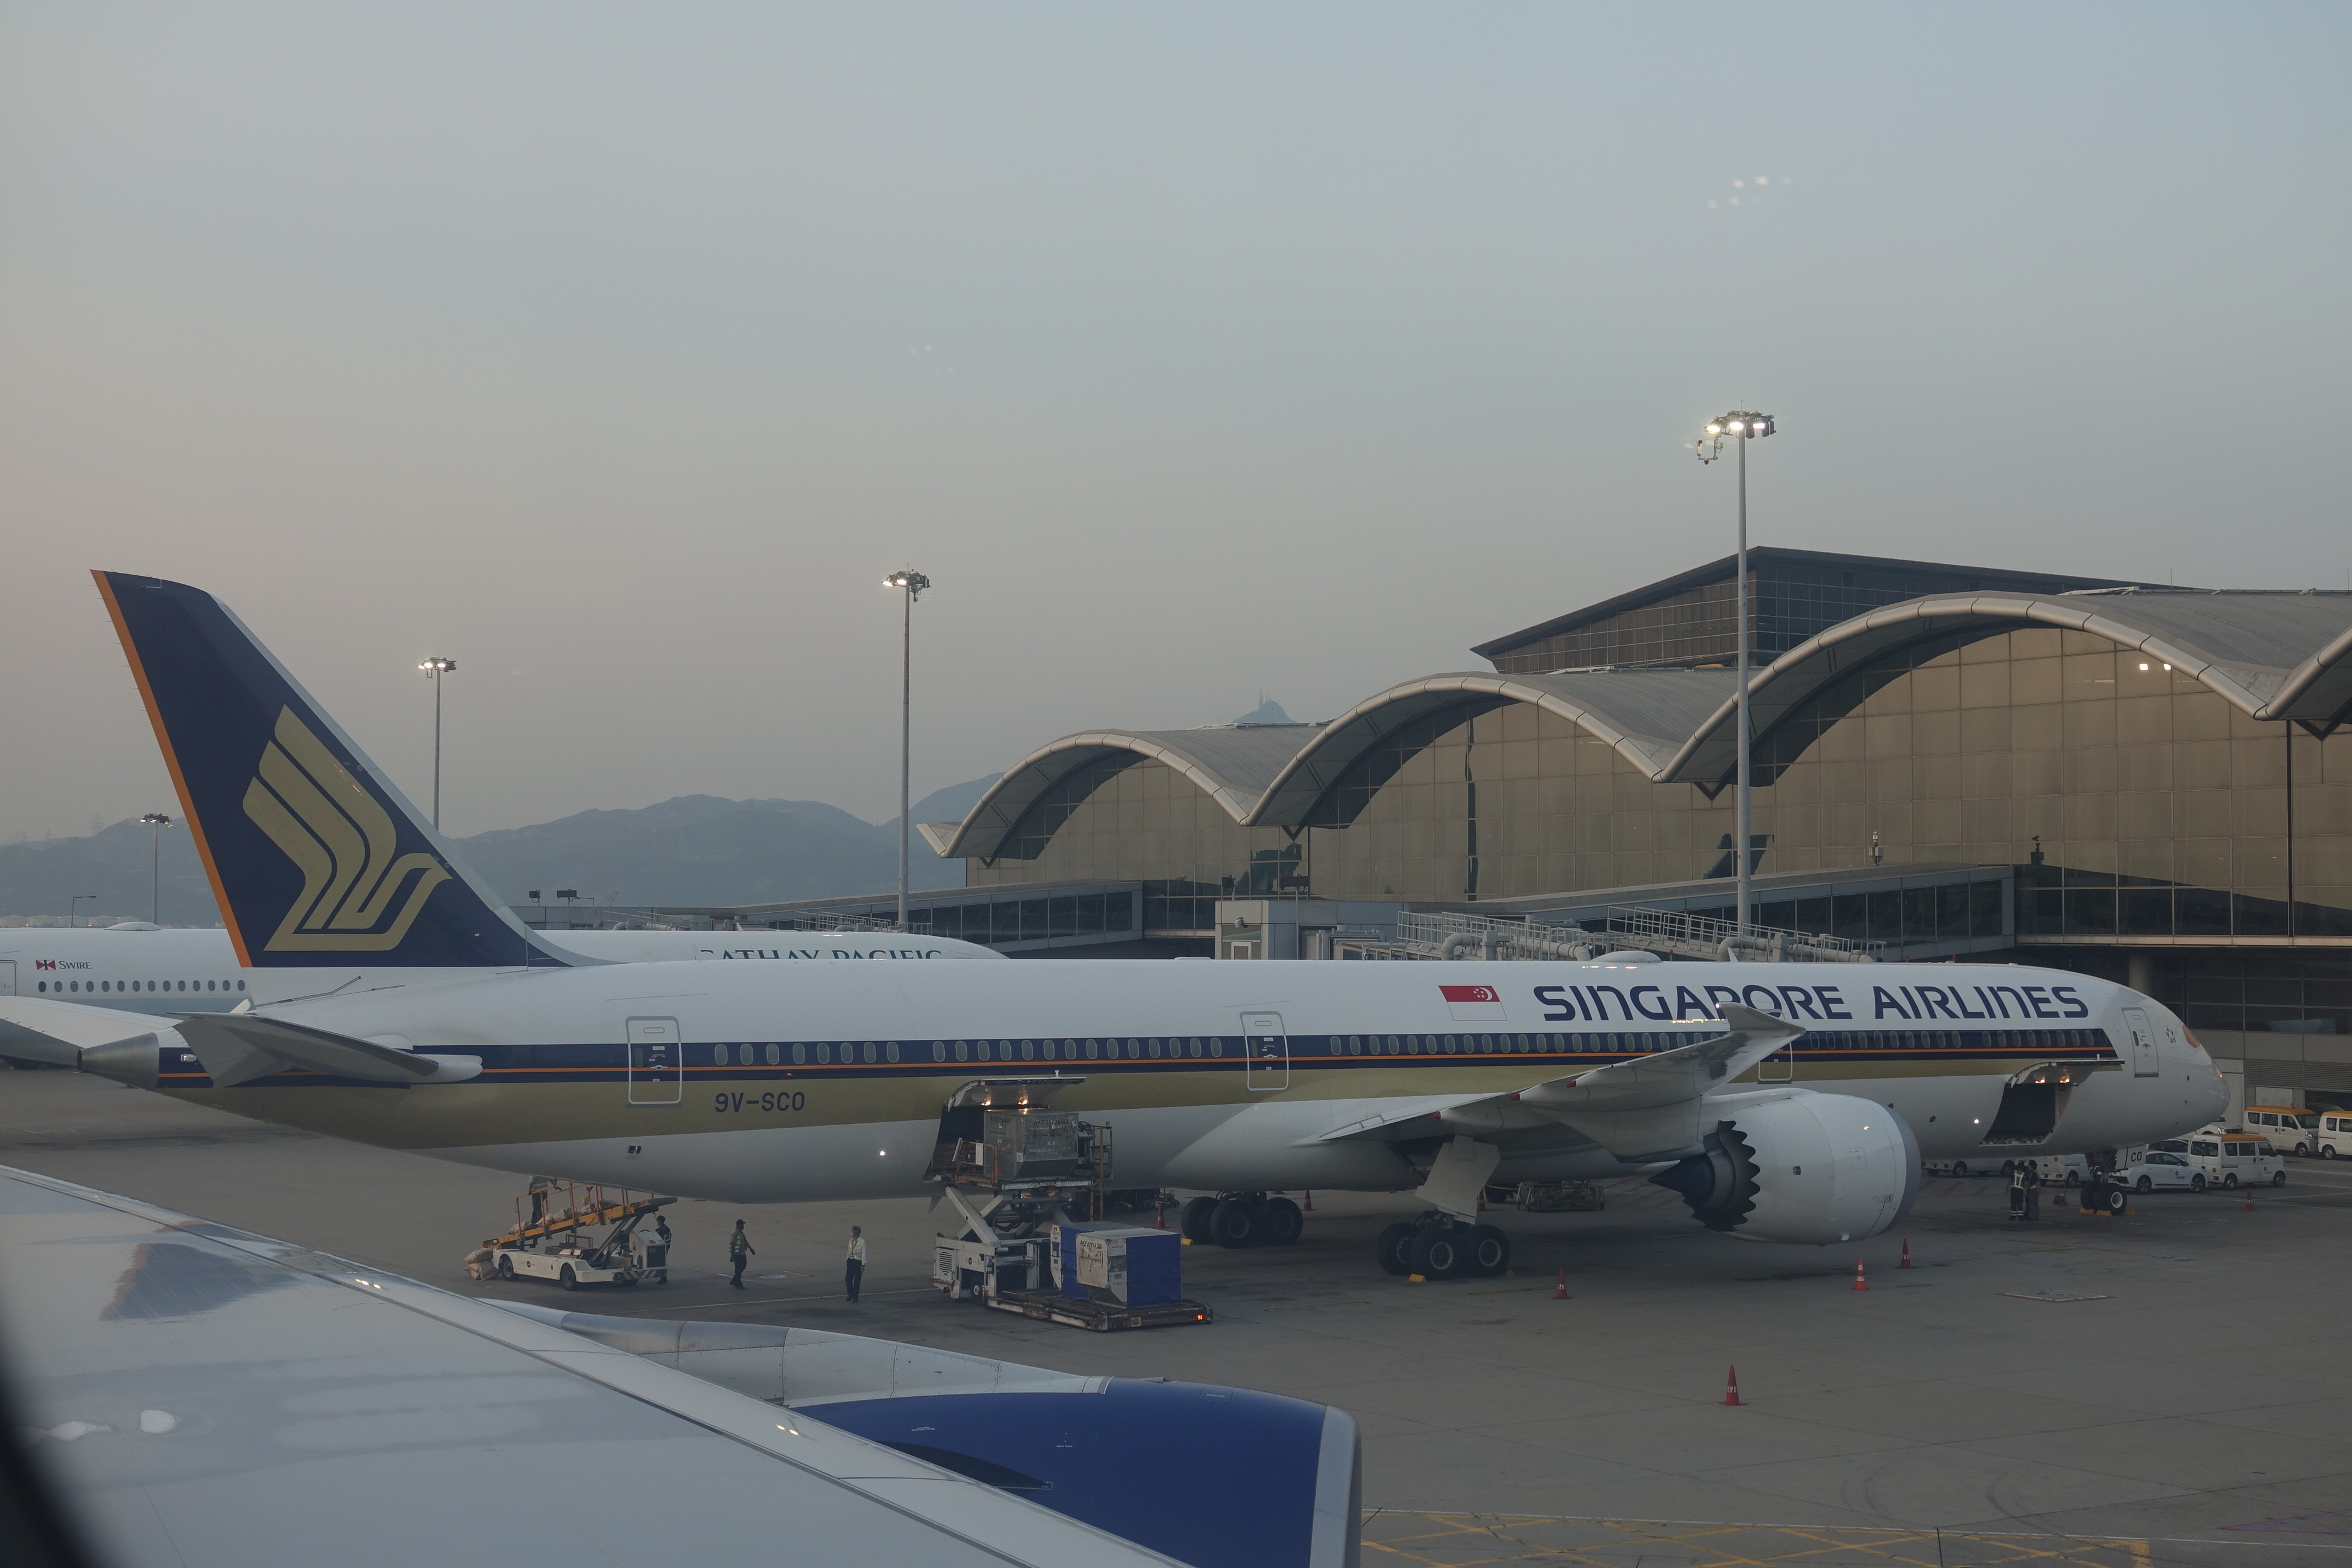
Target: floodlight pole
[913, 583]
[434, 669]
[158, 821]
[1740, 425]
[1739, 592]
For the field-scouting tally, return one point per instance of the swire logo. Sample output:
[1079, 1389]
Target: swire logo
[45, 964]
[344, 842]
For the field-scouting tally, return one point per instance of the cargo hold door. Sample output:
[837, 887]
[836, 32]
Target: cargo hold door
[1267, 1049]
[655, 1061]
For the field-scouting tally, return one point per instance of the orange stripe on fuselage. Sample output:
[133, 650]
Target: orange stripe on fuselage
[179, 782]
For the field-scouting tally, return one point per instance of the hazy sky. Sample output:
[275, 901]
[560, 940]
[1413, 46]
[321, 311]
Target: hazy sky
[618, 352]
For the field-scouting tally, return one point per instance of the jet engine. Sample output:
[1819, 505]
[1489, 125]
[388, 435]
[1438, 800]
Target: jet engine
[1800, 1167]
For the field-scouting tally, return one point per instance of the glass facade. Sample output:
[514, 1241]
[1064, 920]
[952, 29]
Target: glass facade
[2136, 803]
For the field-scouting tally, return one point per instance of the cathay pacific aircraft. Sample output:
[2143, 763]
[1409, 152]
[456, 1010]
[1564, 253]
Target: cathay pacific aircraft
[141, 968]
[1788, 1102]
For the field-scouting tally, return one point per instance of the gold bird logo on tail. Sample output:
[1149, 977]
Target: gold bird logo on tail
[344, 842]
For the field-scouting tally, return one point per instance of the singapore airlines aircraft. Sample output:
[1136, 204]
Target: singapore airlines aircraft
[1785, 1102]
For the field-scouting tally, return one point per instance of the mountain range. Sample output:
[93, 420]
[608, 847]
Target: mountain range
[692, 849]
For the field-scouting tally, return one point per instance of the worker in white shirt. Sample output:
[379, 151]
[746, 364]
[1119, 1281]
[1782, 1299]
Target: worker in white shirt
[856, 1268]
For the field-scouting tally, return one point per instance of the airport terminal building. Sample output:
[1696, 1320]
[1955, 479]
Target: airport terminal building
[2145, 782]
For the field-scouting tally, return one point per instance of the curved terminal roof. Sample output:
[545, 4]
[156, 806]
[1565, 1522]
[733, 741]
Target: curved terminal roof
[2271, 654]
[1231, 764]
[1644, 713]
[2277, 655]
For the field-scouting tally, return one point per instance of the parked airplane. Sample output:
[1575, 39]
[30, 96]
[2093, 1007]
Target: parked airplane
[145, 968]
[1786, 1102]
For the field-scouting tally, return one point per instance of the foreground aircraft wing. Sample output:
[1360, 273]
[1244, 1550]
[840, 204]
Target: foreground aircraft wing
[1617, 1106]
[195, 1394]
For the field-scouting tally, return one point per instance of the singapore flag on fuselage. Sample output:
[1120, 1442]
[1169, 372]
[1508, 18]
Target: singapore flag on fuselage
[1475, 1003]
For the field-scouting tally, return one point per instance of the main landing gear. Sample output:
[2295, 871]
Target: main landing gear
[1440, 1247]
[1242, 1219]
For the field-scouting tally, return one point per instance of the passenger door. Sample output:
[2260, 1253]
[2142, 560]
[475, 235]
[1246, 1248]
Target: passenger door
[1268, 1052]
[656, 1064]
[2143, 1043]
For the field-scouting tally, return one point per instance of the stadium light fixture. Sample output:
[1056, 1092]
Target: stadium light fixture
[912, 583]
[1741, 424]
[434, 669]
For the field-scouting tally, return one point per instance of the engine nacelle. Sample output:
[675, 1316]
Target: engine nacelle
[1793, 1165]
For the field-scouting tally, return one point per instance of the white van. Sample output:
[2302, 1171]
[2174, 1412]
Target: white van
[2334, 1135]
[2289, 1128]
[2234, 1159]
[2069, 1170]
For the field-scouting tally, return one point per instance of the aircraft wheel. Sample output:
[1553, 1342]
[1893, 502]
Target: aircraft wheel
[1195, 1222]
[1237, 1222]
[2115, 1199]
[1394, 1248]
[570, 1280]
[505, 1268]
[1490, 1252]
[1438, 1253]
[1281, 1222]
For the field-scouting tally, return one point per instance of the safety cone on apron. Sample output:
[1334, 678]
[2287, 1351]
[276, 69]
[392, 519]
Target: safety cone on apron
[1906, 1254]
[1731, 1386]
[1859, 1283]
[1559, 1291]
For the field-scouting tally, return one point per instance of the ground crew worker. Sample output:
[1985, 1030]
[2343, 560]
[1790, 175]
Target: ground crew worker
[738, 1252]
[2033, 1191]
[2017, 1191]
[657, 1246]
[856, 1268]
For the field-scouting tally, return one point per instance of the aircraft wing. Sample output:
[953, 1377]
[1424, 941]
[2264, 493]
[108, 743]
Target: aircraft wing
[234, 1047]
[197, 1393]
[1622, 1106]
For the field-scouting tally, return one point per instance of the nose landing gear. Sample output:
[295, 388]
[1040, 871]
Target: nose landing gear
[1440, 1247]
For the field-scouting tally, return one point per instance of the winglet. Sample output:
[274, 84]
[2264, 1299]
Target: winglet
[315, 857]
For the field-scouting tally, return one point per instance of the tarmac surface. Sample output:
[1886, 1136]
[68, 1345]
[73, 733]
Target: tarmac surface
[2172, 1387]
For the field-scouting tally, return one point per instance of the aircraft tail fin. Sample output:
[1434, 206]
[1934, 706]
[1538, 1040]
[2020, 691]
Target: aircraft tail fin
[316, 859]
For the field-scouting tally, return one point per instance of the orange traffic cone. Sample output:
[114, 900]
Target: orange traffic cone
[1310, 1200]
[1906, 1254]
[1559, 1291]
[1160, 1216]
[1731, 1387]
[1858, 1282]
[2250, 1199]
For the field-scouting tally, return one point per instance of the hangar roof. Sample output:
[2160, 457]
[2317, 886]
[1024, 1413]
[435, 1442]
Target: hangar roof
[2274, 655]
[1232, 765]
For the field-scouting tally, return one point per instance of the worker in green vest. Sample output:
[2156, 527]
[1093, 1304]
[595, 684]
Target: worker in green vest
[738, 1253]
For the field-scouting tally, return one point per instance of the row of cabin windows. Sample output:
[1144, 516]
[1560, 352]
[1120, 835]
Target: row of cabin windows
[825, 1053]
[127, 987]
